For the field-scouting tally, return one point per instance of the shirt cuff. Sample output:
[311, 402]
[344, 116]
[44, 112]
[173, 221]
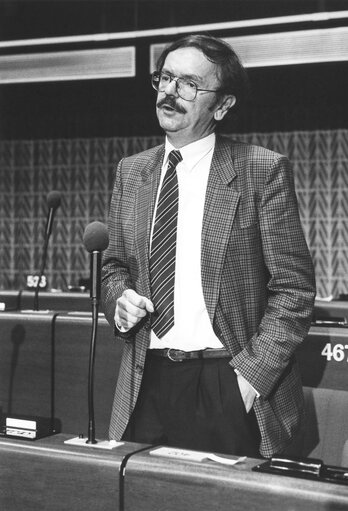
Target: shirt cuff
[117, 322]
[256, 392]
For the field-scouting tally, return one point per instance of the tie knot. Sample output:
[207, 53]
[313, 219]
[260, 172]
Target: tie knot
[174, 158]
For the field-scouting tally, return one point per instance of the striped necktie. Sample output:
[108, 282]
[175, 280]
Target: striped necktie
[163, 249]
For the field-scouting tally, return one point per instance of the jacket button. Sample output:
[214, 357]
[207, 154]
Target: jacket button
[139, 369]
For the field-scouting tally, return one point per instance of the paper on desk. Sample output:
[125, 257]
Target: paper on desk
[185, 454]
[226, 461]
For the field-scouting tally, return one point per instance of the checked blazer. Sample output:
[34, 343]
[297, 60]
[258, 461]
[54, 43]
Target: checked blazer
[257, 276]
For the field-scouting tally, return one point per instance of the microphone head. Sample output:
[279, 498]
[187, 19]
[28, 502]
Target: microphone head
[96, 237]
[53, 199]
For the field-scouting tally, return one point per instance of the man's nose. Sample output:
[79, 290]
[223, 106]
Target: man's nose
[171, 89]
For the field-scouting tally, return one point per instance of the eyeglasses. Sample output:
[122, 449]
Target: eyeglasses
[186, 89]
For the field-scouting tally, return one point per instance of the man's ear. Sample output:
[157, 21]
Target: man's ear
[227, 103]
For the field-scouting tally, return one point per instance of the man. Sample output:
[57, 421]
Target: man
[207, 278]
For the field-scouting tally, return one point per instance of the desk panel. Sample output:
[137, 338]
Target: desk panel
[330, 311]
[50, 475]
[315, 369]
[11, 299]
[26, 358]
[166, 484]
[72, 345]
[44, 362]
[57, 301]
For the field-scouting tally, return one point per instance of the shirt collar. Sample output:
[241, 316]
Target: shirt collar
[192, 153]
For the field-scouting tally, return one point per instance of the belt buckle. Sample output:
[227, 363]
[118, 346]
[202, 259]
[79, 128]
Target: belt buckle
[175, 359]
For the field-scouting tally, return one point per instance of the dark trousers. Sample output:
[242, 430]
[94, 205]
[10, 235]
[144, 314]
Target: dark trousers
[193, 404]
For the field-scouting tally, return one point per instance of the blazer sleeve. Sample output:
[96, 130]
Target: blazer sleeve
[115, 273]
[291, 283]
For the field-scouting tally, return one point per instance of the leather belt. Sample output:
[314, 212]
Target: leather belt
[180, 355]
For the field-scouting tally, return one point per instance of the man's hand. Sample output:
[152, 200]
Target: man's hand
[130, 309]
[248, 393]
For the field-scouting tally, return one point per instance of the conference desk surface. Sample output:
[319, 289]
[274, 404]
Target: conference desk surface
[49, 474]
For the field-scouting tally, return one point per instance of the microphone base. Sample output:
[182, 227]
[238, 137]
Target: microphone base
[100, 444]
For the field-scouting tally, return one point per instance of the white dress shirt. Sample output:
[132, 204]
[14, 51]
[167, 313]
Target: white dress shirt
[192, 329]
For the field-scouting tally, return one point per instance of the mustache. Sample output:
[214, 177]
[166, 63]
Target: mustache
[172, 103]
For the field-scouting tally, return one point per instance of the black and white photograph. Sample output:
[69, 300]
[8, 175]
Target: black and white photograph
[174, 255]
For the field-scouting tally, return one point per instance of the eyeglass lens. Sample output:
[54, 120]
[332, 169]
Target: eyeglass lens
[186, 90]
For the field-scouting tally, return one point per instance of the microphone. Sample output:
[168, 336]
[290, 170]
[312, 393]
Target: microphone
[95, 240]
[53, 201]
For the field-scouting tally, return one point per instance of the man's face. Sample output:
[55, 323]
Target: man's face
[187, 121]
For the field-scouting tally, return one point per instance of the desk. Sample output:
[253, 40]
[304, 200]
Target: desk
[44, 366]
[50, 475]
[164, 484]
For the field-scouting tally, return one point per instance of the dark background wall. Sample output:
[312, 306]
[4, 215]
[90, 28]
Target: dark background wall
[23, 19]
[282, 98]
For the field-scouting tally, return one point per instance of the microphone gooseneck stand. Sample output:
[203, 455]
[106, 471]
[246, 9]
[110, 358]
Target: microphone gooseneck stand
[42, 269]
[95, 239]
[53, 201]
[95, 296]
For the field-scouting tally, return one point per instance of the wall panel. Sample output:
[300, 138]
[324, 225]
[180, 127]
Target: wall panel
[82, 169]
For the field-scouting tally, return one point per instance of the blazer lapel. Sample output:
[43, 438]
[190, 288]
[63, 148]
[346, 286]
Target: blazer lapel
[220, 208]
[145, 199]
